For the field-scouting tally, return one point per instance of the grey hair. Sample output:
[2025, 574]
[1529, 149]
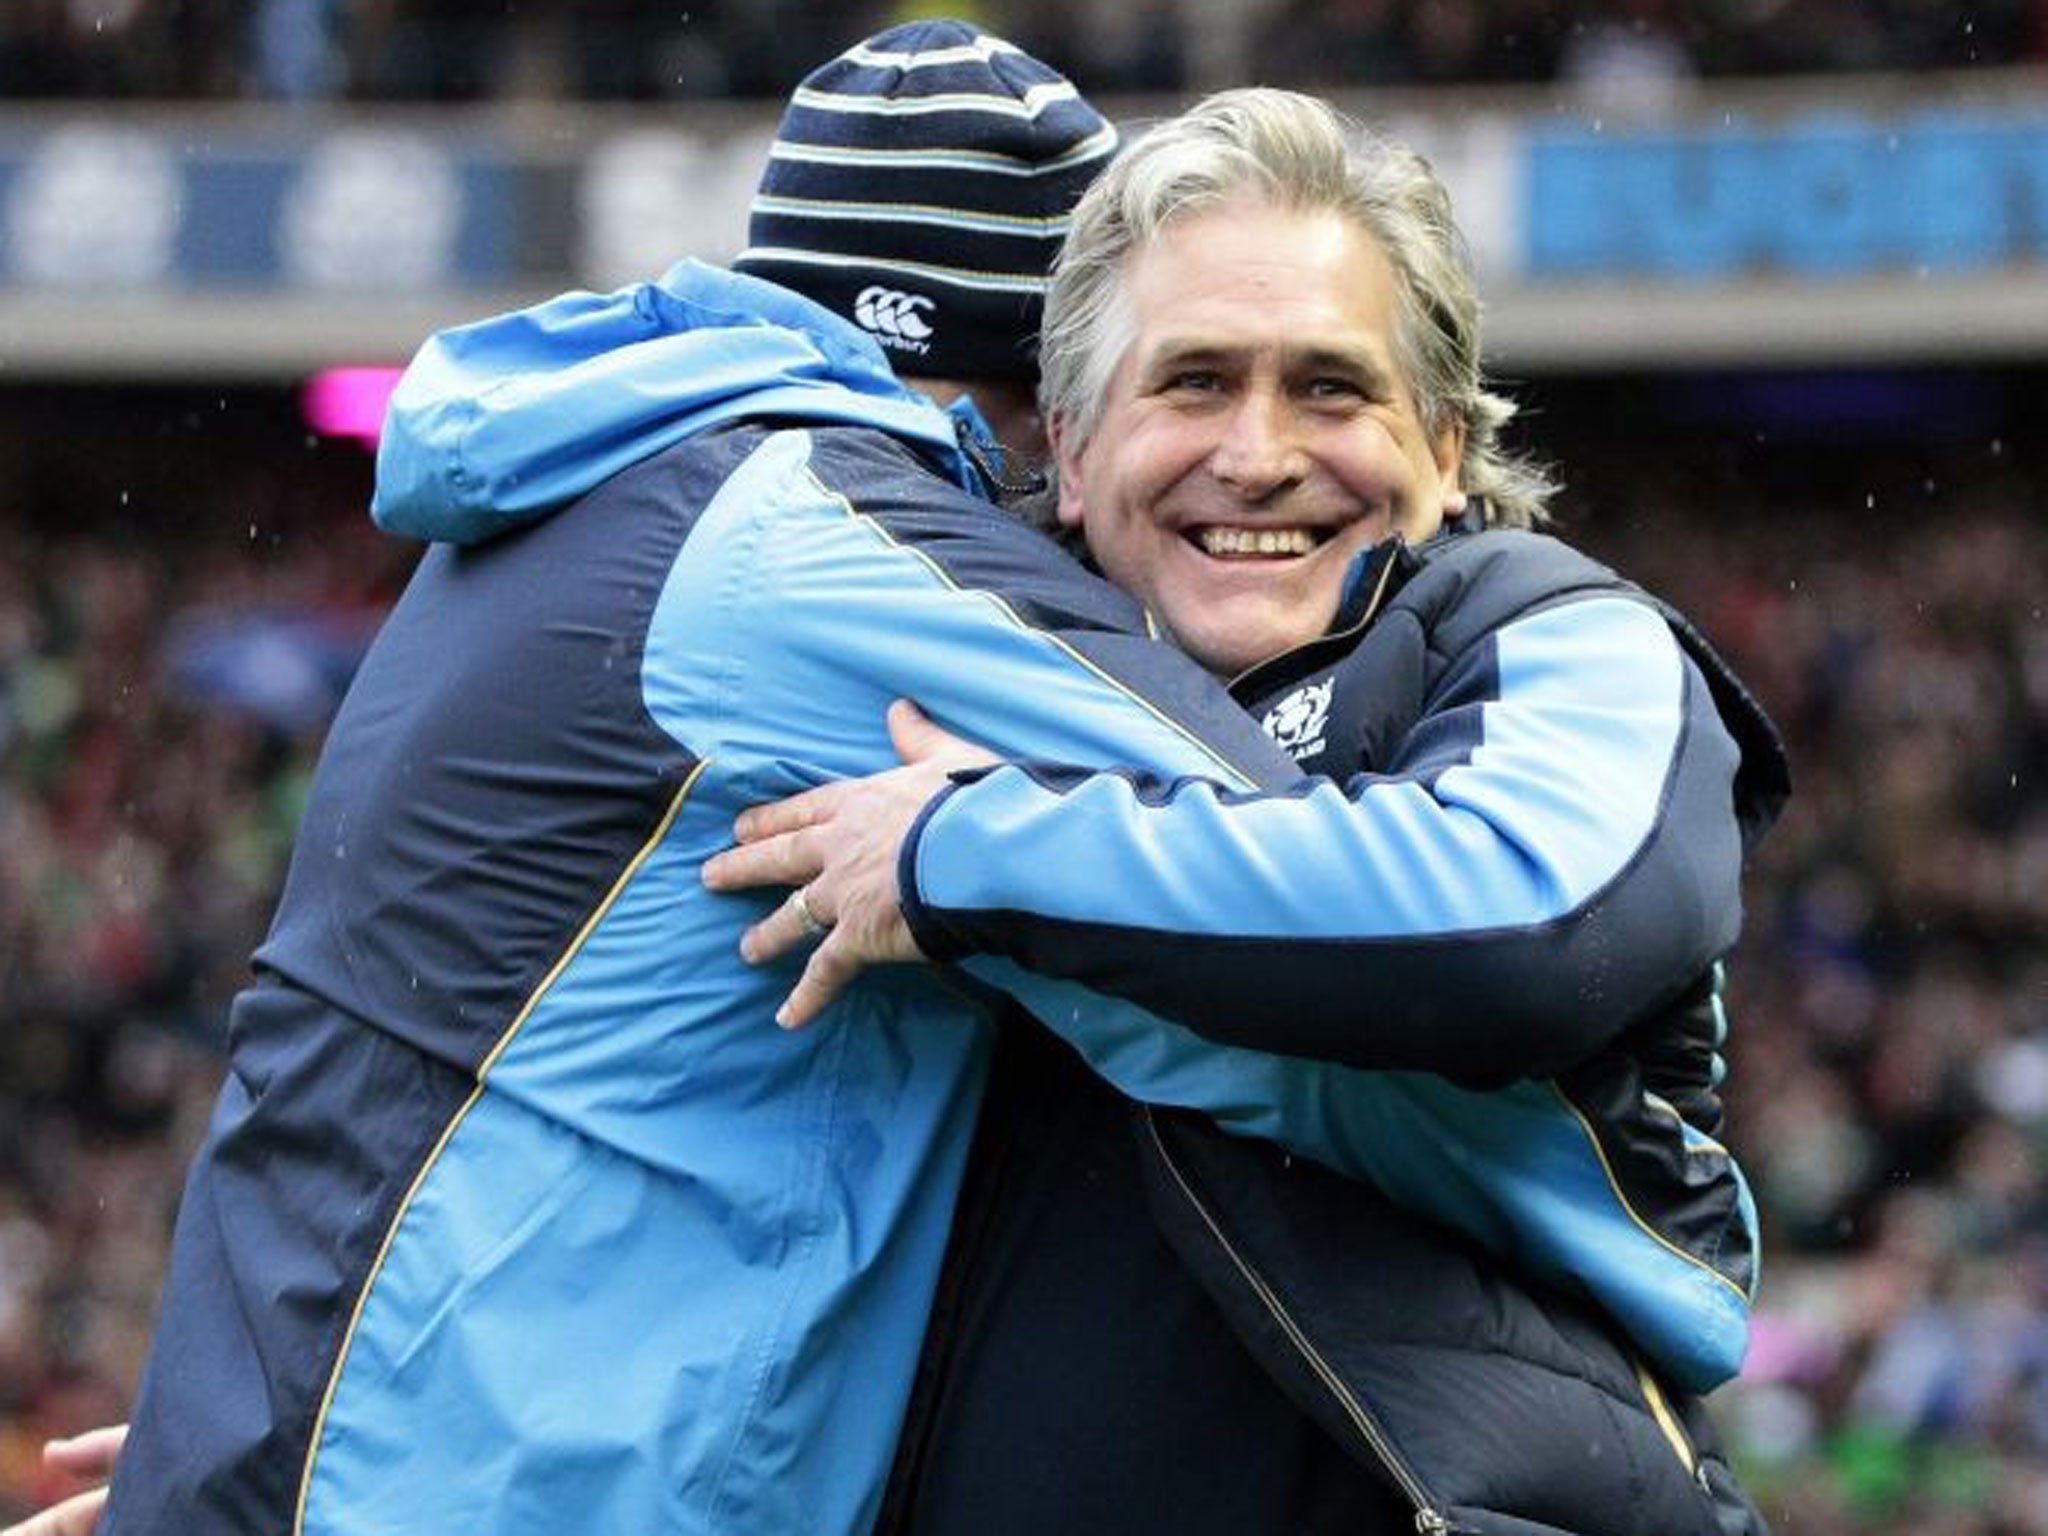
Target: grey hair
[1298, 153]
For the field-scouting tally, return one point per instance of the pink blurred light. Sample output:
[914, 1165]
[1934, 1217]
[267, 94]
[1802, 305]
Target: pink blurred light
[349, 402]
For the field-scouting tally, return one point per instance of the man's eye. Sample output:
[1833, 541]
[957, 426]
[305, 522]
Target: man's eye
[1335, 388]
[1194, 381]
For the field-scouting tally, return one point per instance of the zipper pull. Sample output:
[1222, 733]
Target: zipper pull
[979, 456]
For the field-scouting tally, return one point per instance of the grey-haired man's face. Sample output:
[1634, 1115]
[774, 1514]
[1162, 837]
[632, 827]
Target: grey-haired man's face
[1257, 433]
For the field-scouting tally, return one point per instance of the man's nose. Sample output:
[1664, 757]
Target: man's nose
[1259, 453]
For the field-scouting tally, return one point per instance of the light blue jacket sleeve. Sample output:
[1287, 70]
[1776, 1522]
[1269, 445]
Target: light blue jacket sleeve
[1551, 853]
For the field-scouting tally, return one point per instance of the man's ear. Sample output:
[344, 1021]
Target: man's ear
[1450, 464]
[1066, 459]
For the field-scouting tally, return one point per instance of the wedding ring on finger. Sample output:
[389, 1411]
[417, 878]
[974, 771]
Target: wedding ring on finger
[808, 923]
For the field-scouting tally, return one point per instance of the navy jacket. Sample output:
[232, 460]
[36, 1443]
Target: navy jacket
[1498, 1406]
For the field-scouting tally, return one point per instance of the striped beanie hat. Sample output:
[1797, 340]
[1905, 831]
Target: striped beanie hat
[920, 185]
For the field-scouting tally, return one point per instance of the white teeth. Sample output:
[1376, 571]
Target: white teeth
[1228, 542]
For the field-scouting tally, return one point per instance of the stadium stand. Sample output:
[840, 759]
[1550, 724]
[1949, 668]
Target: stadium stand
[465, 50]
[1890, 1089]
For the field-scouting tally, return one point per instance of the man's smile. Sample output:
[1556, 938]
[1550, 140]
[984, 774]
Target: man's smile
[1224, 541]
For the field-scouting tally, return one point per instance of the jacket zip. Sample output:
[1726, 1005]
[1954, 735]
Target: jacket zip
[1429, 1520]
[1333, 640]
[1667, 1419]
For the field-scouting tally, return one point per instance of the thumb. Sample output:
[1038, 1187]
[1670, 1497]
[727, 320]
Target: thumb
[916, 739]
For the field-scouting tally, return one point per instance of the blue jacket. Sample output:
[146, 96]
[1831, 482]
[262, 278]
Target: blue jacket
[516, 1213]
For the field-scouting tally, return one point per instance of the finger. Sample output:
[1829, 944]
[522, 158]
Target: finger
[90, 1454]
[788, 815]
[918, 740]
[76, 1516]
[828, 973]
[780, 932]
[788, 858]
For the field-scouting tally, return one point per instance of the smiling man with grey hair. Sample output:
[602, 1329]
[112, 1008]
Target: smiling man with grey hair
[1160, 222]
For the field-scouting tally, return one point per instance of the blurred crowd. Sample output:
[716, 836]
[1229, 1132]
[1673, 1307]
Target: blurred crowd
[173, 629]
[178, 614]
[449, 50]
[1889, 1086]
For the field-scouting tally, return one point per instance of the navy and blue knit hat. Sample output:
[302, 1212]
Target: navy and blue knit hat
[920, 185]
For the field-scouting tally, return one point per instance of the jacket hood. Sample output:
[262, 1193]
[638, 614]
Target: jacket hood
[503, 421]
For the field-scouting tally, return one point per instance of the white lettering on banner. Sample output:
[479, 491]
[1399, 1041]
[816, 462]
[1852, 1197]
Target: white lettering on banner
[95, 206]
[1477, 154]
[373, 210]
[646, 199]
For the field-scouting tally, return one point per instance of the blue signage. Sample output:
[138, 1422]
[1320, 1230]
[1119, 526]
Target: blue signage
[1823, 195]
[365, 210]
[401, 207]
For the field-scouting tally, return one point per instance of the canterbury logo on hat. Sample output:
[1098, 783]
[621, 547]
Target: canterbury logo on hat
[894, 317]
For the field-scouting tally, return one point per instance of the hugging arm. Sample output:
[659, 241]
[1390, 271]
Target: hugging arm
[1551, 851]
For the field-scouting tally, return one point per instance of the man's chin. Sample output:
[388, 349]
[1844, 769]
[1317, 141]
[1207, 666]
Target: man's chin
[1228, 648]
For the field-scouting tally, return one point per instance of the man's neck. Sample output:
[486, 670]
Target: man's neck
[1009, 410]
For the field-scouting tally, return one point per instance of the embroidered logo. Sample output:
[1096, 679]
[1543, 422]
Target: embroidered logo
[895, 319]
[1298, 721]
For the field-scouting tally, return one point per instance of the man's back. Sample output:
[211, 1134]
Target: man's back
[517, 1205]
[571, 1236]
